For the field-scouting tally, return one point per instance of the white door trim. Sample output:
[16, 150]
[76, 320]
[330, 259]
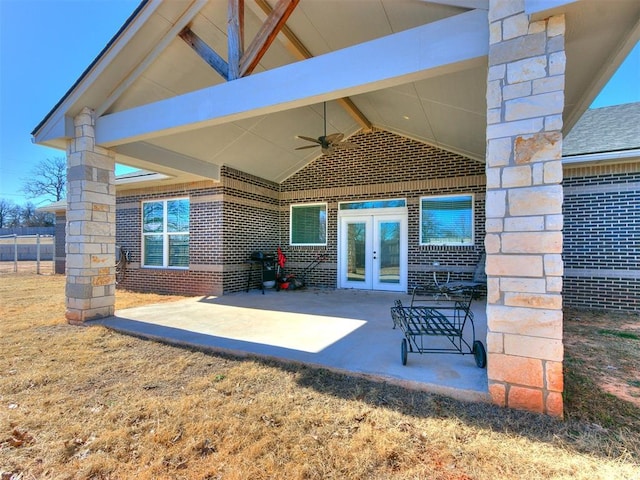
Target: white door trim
[371, 218]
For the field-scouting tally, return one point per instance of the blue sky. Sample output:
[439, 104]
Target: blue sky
[45, 45]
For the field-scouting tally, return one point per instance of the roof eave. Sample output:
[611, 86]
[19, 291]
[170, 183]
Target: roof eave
[53, 120]
[602, 157]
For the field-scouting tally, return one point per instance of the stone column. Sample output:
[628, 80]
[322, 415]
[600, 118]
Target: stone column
[525, 100]
[91, 225]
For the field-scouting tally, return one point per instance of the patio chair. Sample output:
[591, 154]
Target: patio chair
[452, 288]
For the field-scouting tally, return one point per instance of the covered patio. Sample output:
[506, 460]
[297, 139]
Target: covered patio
[497, 83]
[348, 331]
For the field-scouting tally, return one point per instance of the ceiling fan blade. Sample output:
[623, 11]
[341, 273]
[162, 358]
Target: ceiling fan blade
[309, 139]
[307, 146]
[334, 137]
[328, 150]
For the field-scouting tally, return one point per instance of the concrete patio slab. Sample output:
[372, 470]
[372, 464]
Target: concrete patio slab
[348, 331]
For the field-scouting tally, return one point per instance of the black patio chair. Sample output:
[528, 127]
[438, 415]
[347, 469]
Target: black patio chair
[447, 289]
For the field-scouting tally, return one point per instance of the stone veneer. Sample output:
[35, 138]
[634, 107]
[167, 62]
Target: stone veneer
[525, 101]
[91, 225]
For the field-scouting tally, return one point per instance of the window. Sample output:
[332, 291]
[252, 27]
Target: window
[308, 224]
[165, 233]
[373, 204]
[446, 220]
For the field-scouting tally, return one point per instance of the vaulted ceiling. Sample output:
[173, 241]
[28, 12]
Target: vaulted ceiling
[252, 123]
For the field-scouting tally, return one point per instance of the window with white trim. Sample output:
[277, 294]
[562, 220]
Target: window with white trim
[165, 233]
[447, 220]
[308, 224]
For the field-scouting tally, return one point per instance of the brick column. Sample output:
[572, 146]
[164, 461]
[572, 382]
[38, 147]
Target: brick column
[91, 225]
[525, 100]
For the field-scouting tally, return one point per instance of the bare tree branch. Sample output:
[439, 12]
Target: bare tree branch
[48, 178]
[7, 208]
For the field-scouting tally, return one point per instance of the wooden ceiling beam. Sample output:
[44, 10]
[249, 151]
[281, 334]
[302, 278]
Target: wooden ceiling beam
[206, 52]
[242, 63]
[235, 36]
[355, 113]
[304, 54]
[267, 34]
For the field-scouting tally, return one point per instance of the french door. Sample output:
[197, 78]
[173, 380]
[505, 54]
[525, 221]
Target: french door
[373, 251]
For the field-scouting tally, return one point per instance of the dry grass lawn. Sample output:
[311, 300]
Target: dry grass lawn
[80, 403]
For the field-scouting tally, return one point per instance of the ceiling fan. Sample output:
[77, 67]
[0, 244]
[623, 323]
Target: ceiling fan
[326, 142]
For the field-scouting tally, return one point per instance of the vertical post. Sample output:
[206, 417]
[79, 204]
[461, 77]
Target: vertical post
[235, 36]
[91, 227]
[37, 254]
[525, 101]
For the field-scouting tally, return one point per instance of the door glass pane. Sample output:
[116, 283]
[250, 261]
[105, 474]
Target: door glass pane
[356, 246]
[389, 252]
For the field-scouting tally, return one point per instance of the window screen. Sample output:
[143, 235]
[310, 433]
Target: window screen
[309, 224]
[446, 220]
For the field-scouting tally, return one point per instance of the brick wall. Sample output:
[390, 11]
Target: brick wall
[255, 215]
[202, 278]
[602, 237]
[245, 205]
[250, 216]
[385, 166]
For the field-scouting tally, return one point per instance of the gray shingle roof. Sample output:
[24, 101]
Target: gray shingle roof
[606, 129]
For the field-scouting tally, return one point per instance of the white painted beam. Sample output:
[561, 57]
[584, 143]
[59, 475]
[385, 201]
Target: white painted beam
[168, 158]
[448, 45]
[543, 8]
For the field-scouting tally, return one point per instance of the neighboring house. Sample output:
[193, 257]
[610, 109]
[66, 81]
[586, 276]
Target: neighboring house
[455, 112]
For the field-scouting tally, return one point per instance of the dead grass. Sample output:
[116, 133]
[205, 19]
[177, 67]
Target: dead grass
[78, 403]
[27, 266]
